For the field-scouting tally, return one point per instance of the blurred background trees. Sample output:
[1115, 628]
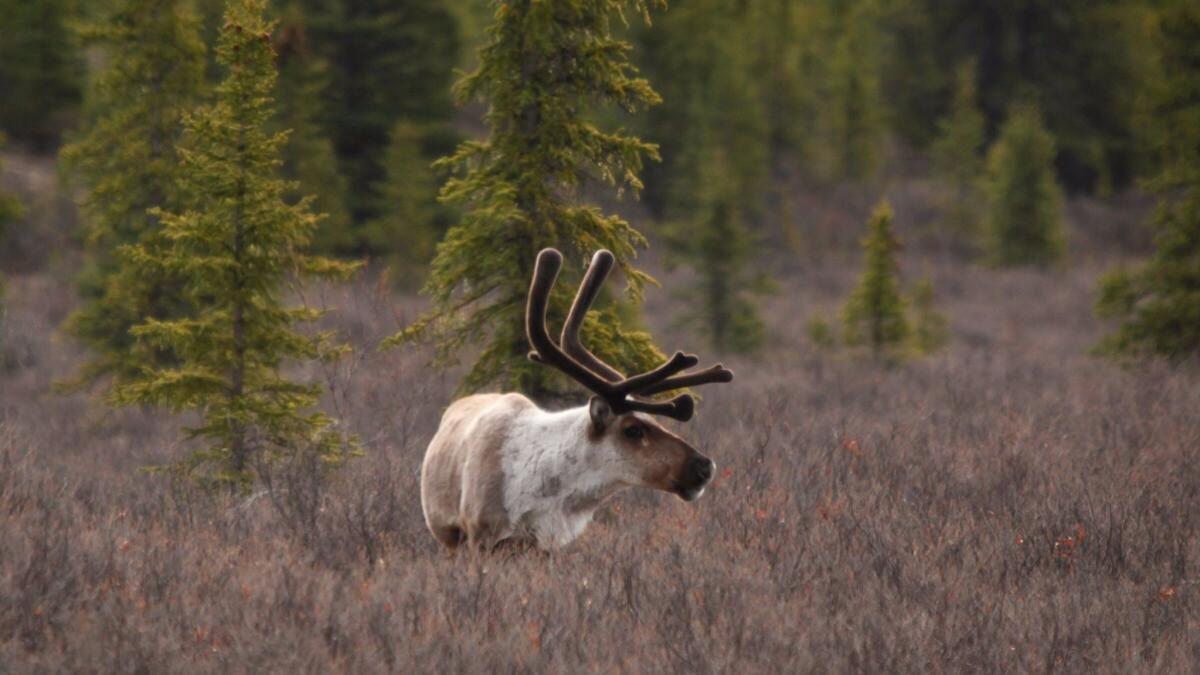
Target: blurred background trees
[773, 127]
[1024, 201]
[1159, 302]
[41, 70]
[957, 155]
[124, 158]
[387, 60]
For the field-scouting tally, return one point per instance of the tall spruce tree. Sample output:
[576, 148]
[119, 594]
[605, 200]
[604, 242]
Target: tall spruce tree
[237, 244]
[545, 67]
[1024, 216]
[126, 159]
[41, 71]
[875, 315]
[958, 156]
[1159, 303]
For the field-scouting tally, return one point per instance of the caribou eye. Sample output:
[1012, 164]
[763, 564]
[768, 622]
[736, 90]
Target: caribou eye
[635, 432]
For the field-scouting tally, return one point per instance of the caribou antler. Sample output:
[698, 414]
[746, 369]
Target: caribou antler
[573, 359]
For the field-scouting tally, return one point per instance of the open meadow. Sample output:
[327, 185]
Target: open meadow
[257, 257]
[1009, 504]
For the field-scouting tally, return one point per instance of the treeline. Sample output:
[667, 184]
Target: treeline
[364, 88]
[221, 150]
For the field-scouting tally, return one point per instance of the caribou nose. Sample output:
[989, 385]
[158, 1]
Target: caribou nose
[703, 469]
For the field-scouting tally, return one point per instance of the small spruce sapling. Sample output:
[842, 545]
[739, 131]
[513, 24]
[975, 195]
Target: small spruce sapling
[875, 315]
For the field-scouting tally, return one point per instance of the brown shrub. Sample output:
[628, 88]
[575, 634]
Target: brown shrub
[1009, 505]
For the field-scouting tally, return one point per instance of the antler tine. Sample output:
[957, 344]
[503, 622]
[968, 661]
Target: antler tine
[599, 269]
[545, 271]
[679, 408]
[639, 384]
[717, 373]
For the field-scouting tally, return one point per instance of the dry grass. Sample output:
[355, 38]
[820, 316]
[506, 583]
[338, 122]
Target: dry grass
[1009, 505]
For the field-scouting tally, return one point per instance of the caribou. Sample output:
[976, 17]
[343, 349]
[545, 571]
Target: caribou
[500, 468]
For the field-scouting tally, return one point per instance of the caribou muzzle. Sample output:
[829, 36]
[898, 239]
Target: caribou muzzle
[696, 475]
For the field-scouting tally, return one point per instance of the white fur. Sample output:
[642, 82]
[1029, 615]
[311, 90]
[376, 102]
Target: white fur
[556, 476]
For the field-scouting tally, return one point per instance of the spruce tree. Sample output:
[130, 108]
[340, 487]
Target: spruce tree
[850, 113]
[389, 60]
[703, 52]
[1159, 303]
[717, 244]
[126, 160]
[309, 161]
[1024, 212]
[1083, 60]
[412, 221]
[237, 244]
[875, 315]
[958, 156]
[545, 67]
[41, 71]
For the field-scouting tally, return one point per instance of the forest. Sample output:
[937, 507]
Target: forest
[251, 251]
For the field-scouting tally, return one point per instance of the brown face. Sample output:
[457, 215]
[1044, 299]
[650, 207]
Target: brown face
[663, 460]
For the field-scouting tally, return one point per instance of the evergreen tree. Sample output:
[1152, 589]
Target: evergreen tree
[930, 328]
[958, 156]
[703, 53]
[237, 244]
[1159, 303]
[389, 60]
[1024, 218]
[1082, 60]
[875, 315]
[413, 221]
[719, 247]
[309, 162]
[850, 113]
[41, 70]
[545, 66]
[126, 159]
[784, 52]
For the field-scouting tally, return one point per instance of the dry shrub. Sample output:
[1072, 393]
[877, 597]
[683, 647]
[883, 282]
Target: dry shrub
[1009, 505]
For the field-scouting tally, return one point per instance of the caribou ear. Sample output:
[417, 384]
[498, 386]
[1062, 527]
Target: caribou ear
[601, 413]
